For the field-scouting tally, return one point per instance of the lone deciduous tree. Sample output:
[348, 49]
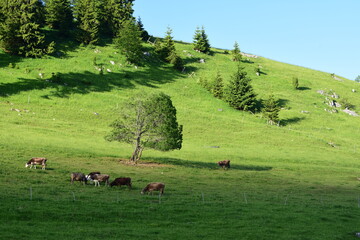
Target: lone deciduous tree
[148, 122]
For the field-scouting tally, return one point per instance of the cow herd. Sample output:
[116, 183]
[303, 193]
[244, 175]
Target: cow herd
[97, 177]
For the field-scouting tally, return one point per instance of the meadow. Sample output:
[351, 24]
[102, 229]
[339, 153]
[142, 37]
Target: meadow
[297, 180]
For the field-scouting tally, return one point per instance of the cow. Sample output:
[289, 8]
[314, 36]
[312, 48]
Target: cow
[155, 186]
[97, 178]
[76, 176]
[90, 176]
[36, 161]
[225, 164]
[121, 181]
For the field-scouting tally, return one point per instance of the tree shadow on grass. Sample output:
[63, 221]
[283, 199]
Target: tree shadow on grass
[205, 165]
[65, 84]
[6, 59]
[303, 88]
[285, 122]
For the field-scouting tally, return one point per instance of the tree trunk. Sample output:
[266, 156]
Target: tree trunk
[136, 155]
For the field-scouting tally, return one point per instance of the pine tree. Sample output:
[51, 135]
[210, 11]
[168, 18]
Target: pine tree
[218, 89]
[144, 34]
[88, 15]
[129, 41]
[20, 31]
[116, 12]
[201, 42]
[295, 82]
[59, 15]
[271, 110]
[240, 94]
[236, 53]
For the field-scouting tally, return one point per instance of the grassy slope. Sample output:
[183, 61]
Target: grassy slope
[286, 182]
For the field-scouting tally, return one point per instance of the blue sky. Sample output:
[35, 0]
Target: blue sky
[318, 34]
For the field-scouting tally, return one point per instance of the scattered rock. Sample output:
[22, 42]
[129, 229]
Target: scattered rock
[97, 114]
[352, 113]
[249, 55]
[303, 111]
[112, 62]
[97, 51]
[332, 144]
[353, 90]
[147, 54]
[220, 109]
[322, 92]
[108, 70]
[202, 60]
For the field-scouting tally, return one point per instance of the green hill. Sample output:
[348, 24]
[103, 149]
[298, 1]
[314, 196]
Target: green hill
[297, 180]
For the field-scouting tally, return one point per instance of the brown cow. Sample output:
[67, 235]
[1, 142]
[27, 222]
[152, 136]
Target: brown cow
[78, 177]
[121, 181]
[156, 186]
[36, 161]
[225, 164]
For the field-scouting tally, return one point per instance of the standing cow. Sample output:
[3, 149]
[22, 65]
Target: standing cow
[121, 181]
[76, 176]
[225, 164]
[36, 161]
[156, 186]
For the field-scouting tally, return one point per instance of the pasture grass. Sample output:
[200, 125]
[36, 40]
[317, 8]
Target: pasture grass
[285, 182]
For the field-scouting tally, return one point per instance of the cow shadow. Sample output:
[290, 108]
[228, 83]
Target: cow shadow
[206, 165]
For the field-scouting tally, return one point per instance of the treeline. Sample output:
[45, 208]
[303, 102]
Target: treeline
[26, 24]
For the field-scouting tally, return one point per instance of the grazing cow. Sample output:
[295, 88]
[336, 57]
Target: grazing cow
[36, 161]
[121, 181]
[78, 177]
[90, 176]
[225, 164]
[97, 178]
[156, 186]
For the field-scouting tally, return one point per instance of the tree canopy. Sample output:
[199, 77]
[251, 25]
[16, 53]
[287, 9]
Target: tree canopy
[201, 41]
[148, 121]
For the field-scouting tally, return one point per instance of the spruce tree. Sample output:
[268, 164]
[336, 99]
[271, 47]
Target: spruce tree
[201, 42]
[144, 34]
[116, 12]
[165, 47]
[59, 15]
[20, 31]
[240, 94]
[236, 53]
[88, 15]
[295, 82]
[271, 110]
[129, 41]
[218, 87]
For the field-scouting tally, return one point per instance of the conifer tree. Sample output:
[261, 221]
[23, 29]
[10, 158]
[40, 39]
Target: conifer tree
[116, 12]
[20, 31]
[236, 53]
[144, 34]
[129, 41]
[88, 15]
[295, 82]
[240, 94]
[59, 15]
[271, 110]
[218, 89]
[201, 42]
